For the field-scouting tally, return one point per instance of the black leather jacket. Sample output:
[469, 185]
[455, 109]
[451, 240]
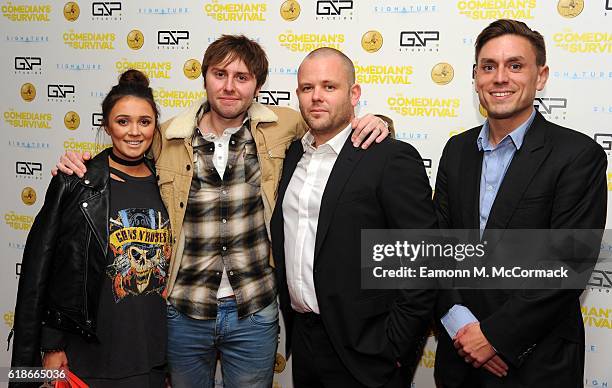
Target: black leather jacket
[64, 261]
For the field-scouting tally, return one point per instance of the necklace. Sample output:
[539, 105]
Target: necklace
[124, 162]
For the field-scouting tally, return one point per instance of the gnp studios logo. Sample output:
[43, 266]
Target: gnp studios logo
[106, 10]
[28, 65]
[60, 93]
[551, 107]
[334, 10]
[173, 39]
[419, 41]
[605, 141]
[274, 97]
[28, 170]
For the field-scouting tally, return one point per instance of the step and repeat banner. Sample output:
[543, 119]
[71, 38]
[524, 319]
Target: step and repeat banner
[413, 59]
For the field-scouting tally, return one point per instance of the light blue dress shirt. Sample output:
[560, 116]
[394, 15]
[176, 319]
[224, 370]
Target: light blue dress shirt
[495, 163]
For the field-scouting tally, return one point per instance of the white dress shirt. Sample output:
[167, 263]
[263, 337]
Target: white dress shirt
[301, 207]
[220, 155]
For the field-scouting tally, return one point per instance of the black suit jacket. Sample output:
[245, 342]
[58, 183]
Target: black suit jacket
[556, 180]
[383, 187]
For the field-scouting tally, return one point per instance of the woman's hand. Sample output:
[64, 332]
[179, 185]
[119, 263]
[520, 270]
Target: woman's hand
[55, 360]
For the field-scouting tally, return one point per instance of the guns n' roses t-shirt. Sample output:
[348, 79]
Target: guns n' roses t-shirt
[131, 323]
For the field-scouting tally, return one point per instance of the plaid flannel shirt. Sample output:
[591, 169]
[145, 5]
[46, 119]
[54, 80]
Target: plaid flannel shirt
[224, 226]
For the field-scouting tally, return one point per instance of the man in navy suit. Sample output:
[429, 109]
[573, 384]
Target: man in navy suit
[517, 171]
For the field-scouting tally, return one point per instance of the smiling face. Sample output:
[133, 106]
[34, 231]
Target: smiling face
[507, 78]
[131, 125]
[230, 89]
[327, 97]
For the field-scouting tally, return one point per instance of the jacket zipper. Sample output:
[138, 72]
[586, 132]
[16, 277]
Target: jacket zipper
[85, 280]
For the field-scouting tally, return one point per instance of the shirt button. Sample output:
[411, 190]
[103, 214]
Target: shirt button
[224, 248]
[224, 191]
[181, 204]
[233, 142]
[218, 273]
[86, 181]
[224, 220]
[231, 273]
[84, 204]
[219, 145]
[188, 167]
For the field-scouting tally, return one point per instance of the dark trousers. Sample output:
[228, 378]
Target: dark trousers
[317, 365]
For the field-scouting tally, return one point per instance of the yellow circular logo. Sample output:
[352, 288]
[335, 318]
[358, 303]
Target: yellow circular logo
[135, 39]
[372, 41]
[483, 111]
[71, 11]
[192, 69]
[570, 8]
[442, 73]
[28, 196]
[28, 92]
[290, 10]
[279, 363]
[72, 120]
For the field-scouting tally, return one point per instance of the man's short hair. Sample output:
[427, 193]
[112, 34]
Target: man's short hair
[231, 47]
[513, 27]
[329, 51]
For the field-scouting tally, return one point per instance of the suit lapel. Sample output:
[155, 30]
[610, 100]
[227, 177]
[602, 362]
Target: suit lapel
[293, 156]
[470, 192]
[525, 164]
[341, 172]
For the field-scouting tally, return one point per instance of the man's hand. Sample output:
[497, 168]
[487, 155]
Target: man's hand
[371, 125]
[472, 345]
[497, 366]
[55, 360]
[72, 162]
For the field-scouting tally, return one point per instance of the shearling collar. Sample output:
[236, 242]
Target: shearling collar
[182, 125]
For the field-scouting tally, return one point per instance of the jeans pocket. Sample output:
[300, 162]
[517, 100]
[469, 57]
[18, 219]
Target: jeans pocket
[266, 316]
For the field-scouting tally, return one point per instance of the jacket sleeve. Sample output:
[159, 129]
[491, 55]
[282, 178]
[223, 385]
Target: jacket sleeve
[35, 271]
[405, 195]
[579, 202]
[447, 297]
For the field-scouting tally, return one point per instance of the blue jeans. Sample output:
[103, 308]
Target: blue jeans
[247, 347]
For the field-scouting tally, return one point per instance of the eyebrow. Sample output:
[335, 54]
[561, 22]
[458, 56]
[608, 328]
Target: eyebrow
[510, 59]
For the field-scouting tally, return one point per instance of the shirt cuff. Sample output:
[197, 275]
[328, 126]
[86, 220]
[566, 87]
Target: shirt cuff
[457, 317]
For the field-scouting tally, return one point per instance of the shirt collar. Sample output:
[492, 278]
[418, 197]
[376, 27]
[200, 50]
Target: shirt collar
[335, 143]
[516, 136]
